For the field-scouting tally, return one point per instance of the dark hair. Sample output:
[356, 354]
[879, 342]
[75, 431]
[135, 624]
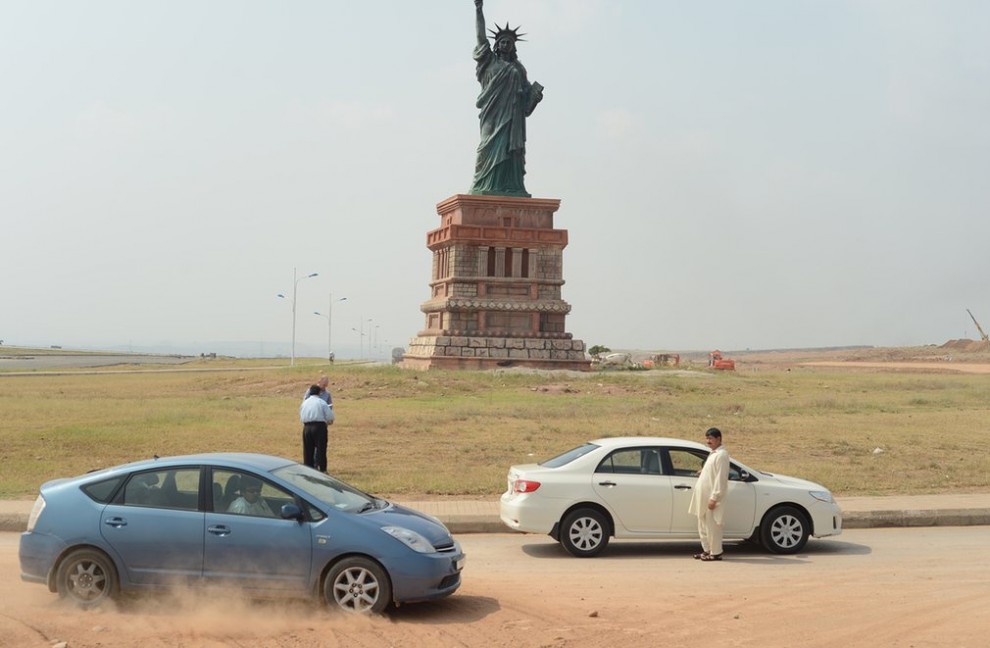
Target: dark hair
[714, 432]
[314, 390]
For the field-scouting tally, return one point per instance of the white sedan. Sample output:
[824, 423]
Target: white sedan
[640, 487]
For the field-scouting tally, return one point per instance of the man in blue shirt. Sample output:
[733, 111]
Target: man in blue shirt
[315, 414]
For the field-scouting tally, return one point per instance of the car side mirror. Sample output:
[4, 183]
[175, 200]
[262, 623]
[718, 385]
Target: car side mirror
[291, 512]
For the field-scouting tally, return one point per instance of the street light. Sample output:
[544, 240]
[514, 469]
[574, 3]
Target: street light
[361, 333]
[361, 351]
[329, 317]
[295, 284]
[369, 332]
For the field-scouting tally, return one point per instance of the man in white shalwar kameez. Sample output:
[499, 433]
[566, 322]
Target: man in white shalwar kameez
[708, 499]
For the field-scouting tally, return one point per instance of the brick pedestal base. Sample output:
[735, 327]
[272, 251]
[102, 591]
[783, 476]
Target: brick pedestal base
[496, 288]
[446, 352]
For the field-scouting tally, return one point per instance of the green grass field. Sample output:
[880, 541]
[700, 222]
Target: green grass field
[412, 434]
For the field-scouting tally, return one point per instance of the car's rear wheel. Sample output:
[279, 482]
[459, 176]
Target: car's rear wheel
[358, 585]
[87, 578]
[784, 530]
[584, 533]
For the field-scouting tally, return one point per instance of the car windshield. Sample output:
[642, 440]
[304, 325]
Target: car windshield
[569, 456]
[325, 488]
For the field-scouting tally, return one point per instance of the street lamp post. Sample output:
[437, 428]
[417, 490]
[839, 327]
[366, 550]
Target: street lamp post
[361, 333]
[295, 285]
[329, 317]
[369, 332]
[361, 342]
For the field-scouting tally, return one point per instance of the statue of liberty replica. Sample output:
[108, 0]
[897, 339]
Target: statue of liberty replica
[497, 270]
[507, 98]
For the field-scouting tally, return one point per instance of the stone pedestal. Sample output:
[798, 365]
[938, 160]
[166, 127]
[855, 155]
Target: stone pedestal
[495, 296]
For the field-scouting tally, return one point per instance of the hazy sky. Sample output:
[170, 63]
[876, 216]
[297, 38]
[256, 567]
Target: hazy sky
[747, 174]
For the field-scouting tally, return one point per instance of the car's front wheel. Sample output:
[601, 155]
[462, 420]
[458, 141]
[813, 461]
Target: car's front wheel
[358, 585]
[87, 578]
[784, 530]
[584, 533]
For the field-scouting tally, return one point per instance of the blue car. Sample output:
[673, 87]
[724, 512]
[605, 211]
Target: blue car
[265, 525]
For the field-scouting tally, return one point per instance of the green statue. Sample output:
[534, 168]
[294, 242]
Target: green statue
[507, 98]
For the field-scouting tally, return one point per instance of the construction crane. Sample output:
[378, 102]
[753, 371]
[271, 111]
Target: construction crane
[983, 336]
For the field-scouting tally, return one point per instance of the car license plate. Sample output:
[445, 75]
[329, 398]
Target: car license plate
[459, 564]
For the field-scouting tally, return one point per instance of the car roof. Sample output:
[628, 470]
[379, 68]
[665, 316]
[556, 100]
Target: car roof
[249, 460]
[614, 442]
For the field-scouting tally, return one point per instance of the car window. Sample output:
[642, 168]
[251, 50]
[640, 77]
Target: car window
[324, 488]
[569, 456]
[176, 488]
[631, 461]
[102, 491]
[243, 493]
[685, 463]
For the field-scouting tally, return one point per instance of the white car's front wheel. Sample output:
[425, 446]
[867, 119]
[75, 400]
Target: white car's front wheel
[784, 530]
[584, 533]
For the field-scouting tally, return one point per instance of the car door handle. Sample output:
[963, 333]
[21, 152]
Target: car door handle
[606, 483]
[682, 487]
[116, 522]
[219, 529]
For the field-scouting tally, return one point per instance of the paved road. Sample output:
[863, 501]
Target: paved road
[482, 515]
[55, 362]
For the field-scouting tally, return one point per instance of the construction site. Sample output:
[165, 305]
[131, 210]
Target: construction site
[962, 351]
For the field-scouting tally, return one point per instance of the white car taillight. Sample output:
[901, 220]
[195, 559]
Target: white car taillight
[524, 486]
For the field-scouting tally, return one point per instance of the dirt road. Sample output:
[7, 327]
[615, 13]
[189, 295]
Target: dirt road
[872, 587]
[943, 367]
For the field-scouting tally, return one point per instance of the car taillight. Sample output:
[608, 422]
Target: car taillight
[36, 510]
[524, 486]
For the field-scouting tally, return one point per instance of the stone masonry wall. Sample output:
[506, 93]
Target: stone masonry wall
[493, 347]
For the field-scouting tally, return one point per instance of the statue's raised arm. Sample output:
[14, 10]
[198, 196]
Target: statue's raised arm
[480, 22]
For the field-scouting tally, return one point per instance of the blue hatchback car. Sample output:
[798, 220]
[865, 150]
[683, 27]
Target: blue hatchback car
[265, 525]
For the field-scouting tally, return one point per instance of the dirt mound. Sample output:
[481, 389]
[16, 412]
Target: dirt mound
[965, 346]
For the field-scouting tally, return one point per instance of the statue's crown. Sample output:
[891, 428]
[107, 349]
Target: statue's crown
[505, 32]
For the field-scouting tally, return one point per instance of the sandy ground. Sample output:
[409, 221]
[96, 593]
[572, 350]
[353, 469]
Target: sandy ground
[919, 588]
[942, 367]
[974, 358]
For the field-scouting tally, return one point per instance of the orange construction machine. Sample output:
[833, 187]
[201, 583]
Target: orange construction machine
[716, 361]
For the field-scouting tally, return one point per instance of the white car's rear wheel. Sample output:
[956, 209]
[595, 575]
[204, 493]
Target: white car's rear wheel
[584, 533]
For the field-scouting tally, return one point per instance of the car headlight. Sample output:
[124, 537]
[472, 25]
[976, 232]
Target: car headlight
[822, 496]
[413, 540]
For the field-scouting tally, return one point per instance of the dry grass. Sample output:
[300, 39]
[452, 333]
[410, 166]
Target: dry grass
[455, 433]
